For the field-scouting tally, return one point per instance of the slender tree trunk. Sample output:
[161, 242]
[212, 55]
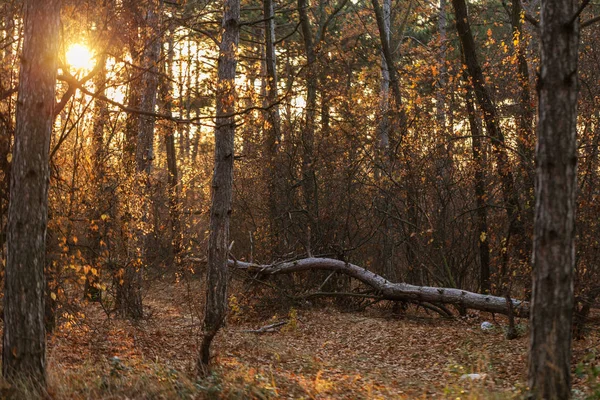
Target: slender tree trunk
[273, 126]
[24, 355]
[122, 278]
[145, 147]
[222, 184]
[383, 159]
[510, 196]
[440, 104]
[130, 291]
[384, 36]
[526, 115]
[524, 121]
[6, 125]
[98, 225]
[309, 179]
[166, 93]
[480, 195]
[556, 185]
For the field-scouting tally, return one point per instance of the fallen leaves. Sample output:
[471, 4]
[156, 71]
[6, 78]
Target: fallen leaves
[328, 354]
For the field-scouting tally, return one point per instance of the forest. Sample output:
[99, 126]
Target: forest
[262, 199]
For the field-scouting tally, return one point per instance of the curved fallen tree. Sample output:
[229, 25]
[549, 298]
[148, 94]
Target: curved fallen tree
[393, 291]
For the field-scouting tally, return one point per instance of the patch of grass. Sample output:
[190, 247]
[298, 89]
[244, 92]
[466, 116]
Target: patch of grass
[115, 379]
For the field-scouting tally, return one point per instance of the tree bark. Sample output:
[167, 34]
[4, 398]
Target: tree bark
[222, 184]
[24, 355]
[389, 290]
[556, 185]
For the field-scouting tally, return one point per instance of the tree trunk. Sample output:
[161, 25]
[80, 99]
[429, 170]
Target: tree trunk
[309, 179]
[510, 196]
[166, 93]
[481, 213]
[272, 125]
[524, 122]
[222, 184]
[383, 160]
[556, 185]
[24, 355]
[526, 116]
[440, 104]
[98, 230]
[384, 36]
[130, 289]
[7, 78]
[392, 291]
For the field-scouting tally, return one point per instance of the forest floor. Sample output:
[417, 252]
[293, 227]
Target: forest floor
[321, 353]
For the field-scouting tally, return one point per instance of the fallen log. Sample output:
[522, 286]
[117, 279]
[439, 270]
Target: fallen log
[393, 291]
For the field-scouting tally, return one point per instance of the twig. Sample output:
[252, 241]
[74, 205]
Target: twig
[267, 328]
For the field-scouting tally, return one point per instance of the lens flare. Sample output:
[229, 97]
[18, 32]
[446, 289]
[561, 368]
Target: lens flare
[80, 57]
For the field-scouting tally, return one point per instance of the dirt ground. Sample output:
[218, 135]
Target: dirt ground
[320, 353]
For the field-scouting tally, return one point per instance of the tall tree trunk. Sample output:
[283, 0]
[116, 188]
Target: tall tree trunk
[492, 125]
[383, 159]
[481, 213]
[273, 126]
[309, 179]
[556, 185]
[99, 223]
[144, 155]
[440, 104]
[222, 184]
[166, 93]
[396, 126]
[384, 36]
[525, 117]
[7, 78]
[24, 355]
[130, 291]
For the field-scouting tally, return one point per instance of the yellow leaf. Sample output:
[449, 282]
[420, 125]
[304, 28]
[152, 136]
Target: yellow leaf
[53, 295]
[482, 237]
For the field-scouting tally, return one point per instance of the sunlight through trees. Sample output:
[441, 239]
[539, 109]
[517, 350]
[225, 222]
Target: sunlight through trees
[176, 169]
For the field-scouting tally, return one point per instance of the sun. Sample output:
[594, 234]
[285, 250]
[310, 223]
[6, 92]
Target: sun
[79, 56]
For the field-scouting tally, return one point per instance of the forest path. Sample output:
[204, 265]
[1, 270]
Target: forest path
[327, 354]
